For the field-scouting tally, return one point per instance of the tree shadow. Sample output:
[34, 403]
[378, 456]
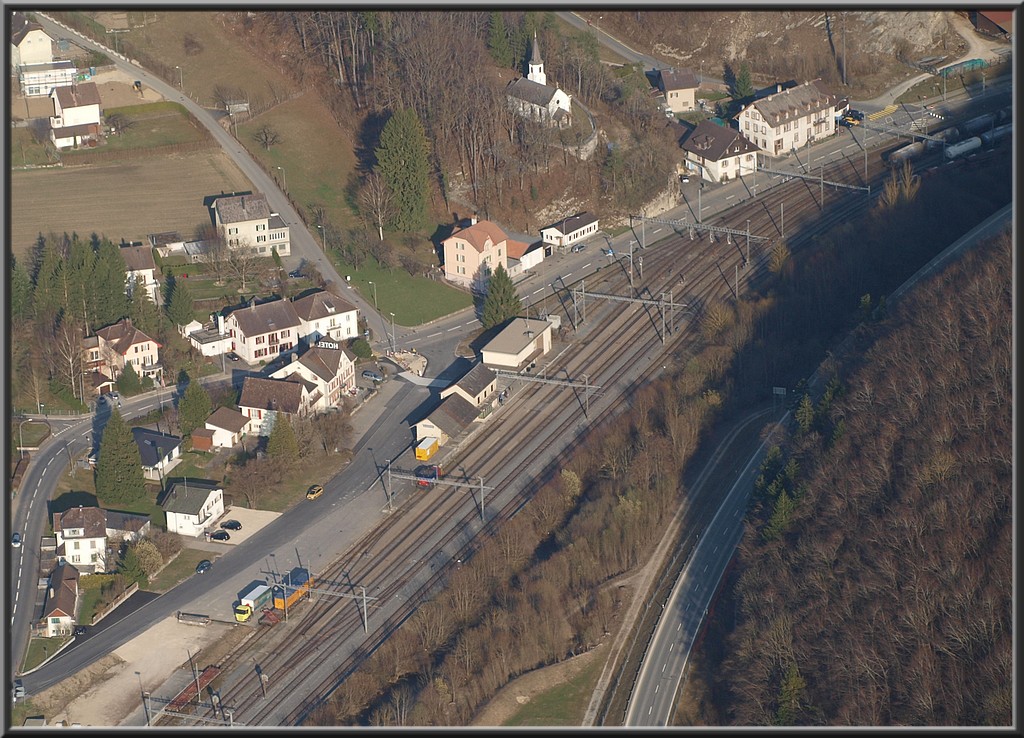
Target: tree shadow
[367, 141]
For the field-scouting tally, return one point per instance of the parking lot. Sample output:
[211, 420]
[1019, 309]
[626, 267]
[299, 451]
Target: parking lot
[251, 520]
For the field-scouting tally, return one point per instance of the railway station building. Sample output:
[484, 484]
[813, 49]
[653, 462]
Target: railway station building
[518, 344]
[791, 118]
[717, 153]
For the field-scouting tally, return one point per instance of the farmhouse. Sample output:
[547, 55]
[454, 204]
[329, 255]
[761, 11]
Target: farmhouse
[718, 153]
[534, 98]
[789, 119]
[76, 115]
[246, 221]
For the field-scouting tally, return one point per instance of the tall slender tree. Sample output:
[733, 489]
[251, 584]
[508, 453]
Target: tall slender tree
[119, 479]
[110, 298]
[21, 290]
[497, 40]
[501, 302]
[282, 446]
[403, 163]
[179, 307]
[194, 408]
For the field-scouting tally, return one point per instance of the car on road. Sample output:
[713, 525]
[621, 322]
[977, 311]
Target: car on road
[231, 525]
[18, 690]
[203, 566]
[577, 247]
[16, 540]
[373, 376]
[233, 356]
[80, 630]
[685, 178]
[220, 535]
[315, 491]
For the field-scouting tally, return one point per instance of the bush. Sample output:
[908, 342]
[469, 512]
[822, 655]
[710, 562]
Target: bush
[361, 348]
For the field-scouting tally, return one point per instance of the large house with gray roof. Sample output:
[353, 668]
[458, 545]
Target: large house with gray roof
[475, 386]
[328, 367]
[262, 399]
[247, 221]
[159, 452]
[532, 97]
[325, 316]
[192, 505]
[718, 153]
[261, 332]
[787, 120]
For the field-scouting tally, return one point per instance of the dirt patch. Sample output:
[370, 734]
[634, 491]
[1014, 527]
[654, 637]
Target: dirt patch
[116, 91]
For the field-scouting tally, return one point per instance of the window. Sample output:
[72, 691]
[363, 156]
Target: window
[92, 544]
[74, 546]
[261, 239]
[796, 136]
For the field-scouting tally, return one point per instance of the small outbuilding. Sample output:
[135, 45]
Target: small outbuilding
[522, 341]
[570, 230]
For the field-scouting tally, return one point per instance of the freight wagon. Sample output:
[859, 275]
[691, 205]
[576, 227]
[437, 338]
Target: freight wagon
[996, 134]
[963, 148]
[296, 585]
[976, 125]
[948, 136]
[906, 153]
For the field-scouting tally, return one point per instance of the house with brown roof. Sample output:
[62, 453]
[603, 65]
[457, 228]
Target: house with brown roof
[475, 386]
[471, 253]
[261, 332]
[61, 608]
[680, 89]
[325, 315]
[997, 23]
[247, 221]
[718, 153]
[328, 367]
[227, 427]
[532, 97]
[81, 534]
[785, 121]
[447, 420]
[262, 399]
[30, 44]
[121, 344]
[76, 115]
[140, 269]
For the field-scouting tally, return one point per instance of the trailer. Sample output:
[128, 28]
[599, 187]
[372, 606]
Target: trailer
[963, 148]
[252, 600]
[906, 153]
[426, 448]
[296, 585]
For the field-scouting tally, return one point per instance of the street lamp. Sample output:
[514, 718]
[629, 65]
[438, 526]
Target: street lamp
[374, 294]
[323, 236]
[284, 178]
[392, 332]
[181, 80]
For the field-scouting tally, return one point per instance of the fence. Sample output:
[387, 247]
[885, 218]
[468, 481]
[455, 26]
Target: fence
[132, 589]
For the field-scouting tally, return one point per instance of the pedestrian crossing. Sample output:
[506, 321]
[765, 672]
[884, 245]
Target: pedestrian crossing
[887, 110]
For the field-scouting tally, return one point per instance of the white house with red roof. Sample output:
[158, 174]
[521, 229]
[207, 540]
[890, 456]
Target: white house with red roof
[116, 346]
[262, 399]
[76, 115]
[327, 366]
[261, 332]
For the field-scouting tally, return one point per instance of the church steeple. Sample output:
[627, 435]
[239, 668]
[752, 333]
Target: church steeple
[536, 64]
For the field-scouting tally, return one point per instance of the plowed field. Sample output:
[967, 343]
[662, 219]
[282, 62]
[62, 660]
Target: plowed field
[125, 200]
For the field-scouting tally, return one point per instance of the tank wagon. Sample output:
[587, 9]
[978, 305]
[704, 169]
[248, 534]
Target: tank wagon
[998, 133]
[977, 125]
[963, 148]
[906, 153]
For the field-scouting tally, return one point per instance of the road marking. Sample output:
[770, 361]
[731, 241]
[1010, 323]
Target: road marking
[679, 626]
[728, 197]
[649, 709]
[716, 550]
[656, 688]
[663, 668]
[585, 266]
[432, 335]
[671, 646]
[706, 567]
[453, 329]
[656, 230]
[537, 292]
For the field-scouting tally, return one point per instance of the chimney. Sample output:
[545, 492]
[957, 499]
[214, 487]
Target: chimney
[472, 219]
[778, 87]
[220, 324]
[51, 591]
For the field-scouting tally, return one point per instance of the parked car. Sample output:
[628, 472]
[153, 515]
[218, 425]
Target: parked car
[231, 525]
[315, 491]
[373, 376]
[685, 179]
[80, 630]
[203, 566]
[577, 247]
[220, 535]
[295, 273]
[16, 540]
[232, 355]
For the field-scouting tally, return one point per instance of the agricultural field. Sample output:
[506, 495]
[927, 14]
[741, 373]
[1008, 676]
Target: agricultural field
[122, 200]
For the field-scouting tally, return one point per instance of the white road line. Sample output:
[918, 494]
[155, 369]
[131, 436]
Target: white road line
[679, 626]
[671, 646]
[663, 668]
[656, 688]
[706, 567]
[585, 266]
[656, 230]
[453, 329]
[728, 197]
[537, 292]
[716, 550]
[432, 335]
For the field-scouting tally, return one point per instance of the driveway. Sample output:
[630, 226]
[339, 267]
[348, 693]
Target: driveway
[252, 522]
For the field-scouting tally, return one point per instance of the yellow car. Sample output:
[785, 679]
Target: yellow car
[315, 491]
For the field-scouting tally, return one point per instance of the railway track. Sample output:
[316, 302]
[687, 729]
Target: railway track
[620, 349]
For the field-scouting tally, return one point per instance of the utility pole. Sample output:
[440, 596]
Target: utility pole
[737, 279]
[387, 488]
[748, 242]
[782, 217]
[482, 518]
[844, 48]
[195, 675]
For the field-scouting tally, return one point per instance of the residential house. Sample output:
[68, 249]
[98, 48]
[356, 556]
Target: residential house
[247, 221]
[447, 420]
[160, 452]
[522, 256]
[121, 344]
[569, 230]
[680, 88]
[534, 98]
[324, 315]
[262, 399]
[228, 427]
[38, 80]
[207, 339]
[76, 115]
[125, 527]
[787, 120]
[473, 252]
[30, 44]
[262, 332]
[519, 343]
[190, 506]
[140, 268]
[997, 23]
[718, 153]
[328, 367]
[61, 608]
[81, 534]
[475, 386]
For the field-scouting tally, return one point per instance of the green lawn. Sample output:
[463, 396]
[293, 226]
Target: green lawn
[561, 705]
[40, 649]
[183, 566]
[413, 300]
[30, 434]
[26, 151]
[154, 124]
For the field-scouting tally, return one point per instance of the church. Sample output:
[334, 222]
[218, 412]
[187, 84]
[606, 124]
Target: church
[533, 97]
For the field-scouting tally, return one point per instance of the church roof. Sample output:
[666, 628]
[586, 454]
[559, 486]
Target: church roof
[531, 92]
[535, 51]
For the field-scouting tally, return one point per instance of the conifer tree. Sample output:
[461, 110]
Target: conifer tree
[403, 164]
[282, 445]
[21, 291]
[119, 479]
[501, 302]
[497, 40]
[194, 408]
[179, 308]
